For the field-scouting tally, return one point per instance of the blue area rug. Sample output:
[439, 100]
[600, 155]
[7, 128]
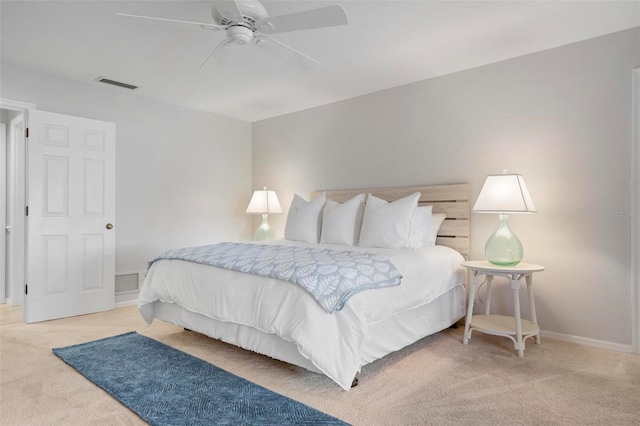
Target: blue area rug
[165, 386]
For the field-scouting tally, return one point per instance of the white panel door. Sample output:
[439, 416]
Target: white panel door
[71, 201]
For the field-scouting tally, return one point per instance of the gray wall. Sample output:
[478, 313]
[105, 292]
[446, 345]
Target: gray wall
[561, 118]
[183, 176]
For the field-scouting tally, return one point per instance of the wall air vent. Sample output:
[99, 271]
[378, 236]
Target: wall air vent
[127, 283]
[116, 83]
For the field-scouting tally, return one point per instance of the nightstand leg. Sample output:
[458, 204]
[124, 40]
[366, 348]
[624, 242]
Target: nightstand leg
[532, 304]
[487, 308]
[472, 296]
[515, 285]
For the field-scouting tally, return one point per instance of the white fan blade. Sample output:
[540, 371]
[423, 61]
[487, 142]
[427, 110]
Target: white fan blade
[216, 52]
[229, 9]
[283, 52]
[202, 24]
[315, 18]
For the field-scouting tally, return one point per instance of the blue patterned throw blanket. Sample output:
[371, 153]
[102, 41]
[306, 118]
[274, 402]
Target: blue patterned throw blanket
[330, 276]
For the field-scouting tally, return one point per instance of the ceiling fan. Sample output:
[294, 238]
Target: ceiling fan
[247, 21]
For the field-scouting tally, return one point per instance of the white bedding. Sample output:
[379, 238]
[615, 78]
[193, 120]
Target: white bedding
[331, 342]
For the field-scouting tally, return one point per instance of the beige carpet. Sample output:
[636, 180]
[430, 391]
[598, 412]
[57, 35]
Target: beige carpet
[436, 381]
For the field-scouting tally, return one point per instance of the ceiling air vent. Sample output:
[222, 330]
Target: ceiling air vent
[116, 83]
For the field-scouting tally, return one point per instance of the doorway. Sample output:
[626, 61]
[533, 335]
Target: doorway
[67, 255]
[13, 115]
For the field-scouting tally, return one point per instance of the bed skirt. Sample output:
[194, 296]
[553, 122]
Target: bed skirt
[382, 338]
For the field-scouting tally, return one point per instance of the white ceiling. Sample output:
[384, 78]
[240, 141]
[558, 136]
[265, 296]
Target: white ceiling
[386, 44]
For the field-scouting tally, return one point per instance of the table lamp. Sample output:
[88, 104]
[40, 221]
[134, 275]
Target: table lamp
[264, 202]
[504, 194]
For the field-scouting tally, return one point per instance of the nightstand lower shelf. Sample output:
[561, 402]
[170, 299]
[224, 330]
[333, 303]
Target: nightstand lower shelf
[502, 325]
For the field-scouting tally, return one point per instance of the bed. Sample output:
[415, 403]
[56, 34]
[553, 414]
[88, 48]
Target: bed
[278, 319]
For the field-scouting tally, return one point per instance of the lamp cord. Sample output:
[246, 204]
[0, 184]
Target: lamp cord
[478, 290]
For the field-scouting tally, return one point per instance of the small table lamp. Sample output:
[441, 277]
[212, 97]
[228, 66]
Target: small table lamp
[264, 202]
[504, 194]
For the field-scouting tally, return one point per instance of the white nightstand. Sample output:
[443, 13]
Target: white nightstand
[514, 327]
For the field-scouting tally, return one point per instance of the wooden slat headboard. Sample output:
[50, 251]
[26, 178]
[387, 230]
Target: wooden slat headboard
[450, 199]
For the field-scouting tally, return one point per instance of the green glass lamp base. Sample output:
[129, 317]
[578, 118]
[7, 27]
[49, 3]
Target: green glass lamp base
[264, 231]
[501, 263]
[503, 248]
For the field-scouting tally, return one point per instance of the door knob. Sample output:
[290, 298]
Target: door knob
[109, 226]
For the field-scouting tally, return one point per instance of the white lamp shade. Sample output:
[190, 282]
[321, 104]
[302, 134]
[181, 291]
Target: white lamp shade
[505, 193]
[264, 202]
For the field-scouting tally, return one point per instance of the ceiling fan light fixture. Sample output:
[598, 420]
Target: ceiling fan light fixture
[240, 34]
[246, 20]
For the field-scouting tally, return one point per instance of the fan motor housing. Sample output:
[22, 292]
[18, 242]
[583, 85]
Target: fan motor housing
[239, 34]
[251, 10]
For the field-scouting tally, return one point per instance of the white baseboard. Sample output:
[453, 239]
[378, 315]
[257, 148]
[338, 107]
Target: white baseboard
[126, 303]
[9, 301]
[127, 299]
[587, 341]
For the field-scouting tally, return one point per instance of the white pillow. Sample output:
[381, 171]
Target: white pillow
[388, 225]
[341, 223]
[421, 226]
[436, 222]
[304, 218]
